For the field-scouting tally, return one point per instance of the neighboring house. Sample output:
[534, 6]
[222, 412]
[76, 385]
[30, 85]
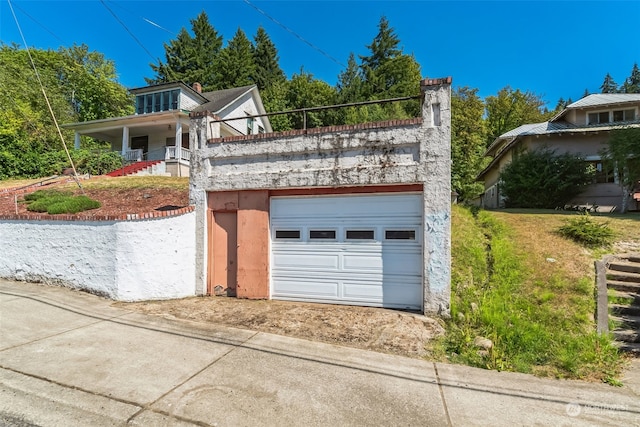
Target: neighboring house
[159, 130]
[582, 128]
[352, 214]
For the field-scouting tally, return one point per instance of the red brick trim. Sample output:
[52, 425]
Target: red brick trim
[80, 217]
[436, 82]
[314, 131]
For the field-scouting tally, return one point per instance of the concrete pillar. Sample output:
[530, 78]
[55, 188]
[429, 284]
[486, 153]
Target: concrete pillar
[199, 133]
[435, 153]
[76, 141]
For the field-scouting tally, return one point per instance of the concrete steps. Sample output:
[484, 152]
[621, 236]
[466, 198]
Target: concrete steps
[623, 296]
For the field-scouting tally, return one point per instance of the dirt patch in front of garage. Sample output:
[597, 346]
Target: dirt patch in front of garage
[376, 329]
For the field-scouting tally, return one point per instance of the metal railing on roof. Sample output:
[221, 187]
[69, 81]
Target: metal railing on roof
[305, 111]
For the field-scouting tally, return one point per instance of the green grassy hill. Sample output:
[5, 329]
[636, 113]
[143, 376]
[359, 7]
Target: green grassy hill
[518, 283]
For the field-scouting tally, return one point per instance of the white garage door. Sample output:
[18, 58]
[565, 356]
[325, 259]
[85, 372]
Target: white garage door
[356, 249]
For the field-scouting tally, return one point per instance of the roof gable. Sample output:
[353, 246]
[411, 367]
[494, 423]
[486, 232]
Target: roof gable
[219, 99]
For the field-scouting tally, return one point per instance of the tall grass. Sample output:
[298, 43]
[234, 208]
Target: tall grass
[538, 322]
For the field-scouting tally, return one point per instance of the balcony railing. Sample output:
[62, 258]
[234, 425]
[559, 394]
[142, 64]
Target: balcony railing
[177, 153]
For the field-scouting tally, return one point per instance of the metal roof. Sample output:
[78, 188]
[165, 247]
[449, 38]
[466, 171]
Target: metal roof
[602, 99]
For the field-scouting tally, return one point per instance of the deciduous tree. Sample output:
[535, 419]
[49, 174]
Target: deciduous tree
[623, 153]
[512, 108]
[467, 142]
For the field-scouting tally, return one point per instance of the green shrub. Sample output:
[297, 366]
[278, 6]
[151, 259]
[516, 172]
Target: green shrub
[58, 202]
[542, 179]
[583, 229]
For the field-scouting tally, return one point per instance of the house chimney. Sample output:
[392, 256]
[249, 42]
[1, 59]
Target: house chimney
[197, 87]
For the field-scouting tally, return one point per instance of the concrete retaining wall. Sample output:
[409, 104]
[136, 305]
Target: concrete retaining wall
[123, 260]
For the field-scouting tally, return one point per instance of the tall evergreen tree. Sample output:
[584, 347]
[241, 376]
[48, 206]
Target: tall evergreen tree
[387, 71]
[191, 59]
[349, 84]
[349, 90]
[608, 85]
[265, 57]
[632, 83]
[237, 67]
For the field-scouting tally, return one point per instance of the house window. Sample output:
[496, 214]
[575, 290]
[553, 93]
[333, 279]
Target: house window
[260, 129]
[165, 100]
[140, 104]
[175, 96]
[598, 118]
[601, 117]
[250, 122]
[158, 101]
[603, 173]
[624, 115]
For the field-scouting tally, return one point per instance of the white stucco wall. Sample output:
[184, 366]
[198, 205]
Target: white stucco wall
[123, 260]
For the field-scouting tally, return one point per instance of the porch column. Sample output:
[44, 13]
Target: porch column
[125, 140]
[76, 140]
[178, 141]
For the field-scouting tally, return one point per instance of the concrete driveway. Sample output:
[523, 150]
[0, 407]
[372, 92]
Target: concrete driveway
[70, 358]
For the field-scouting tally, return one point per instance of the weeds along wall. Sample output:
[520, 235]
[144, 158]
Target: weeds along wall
[122, 260]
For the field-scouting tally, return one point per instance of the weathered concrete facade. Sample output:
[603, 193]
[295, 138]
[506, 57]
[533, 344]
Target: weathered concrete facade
[240, 174]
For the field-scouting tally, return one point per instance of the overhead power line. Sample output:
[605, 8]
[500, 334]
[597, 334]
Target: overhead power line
[148, 21]
[128, 31]
[39, 23]
[296, 35]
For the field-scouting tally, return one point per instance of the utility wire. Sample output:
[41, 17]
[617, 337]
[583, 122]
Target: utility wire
[128, 31]
[148, 21]
[40, 24]
[44, 93]
[298, 36]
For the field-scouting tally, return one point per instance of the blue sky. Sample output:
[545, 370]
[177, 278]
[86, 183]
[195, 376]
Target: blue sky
[553, 48]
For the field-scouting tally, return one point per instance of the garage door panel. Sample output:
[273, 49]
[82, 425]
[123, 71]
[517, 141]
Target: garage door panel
[372, 267]
[295, 287]
[362, 262]
[315, 261]
[404, 264]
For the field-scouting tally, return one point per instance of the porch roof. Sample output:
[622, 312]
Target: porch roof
[138, 124]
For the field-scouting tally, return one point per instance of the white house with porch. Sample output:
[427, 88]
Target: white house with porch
[159, 129]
